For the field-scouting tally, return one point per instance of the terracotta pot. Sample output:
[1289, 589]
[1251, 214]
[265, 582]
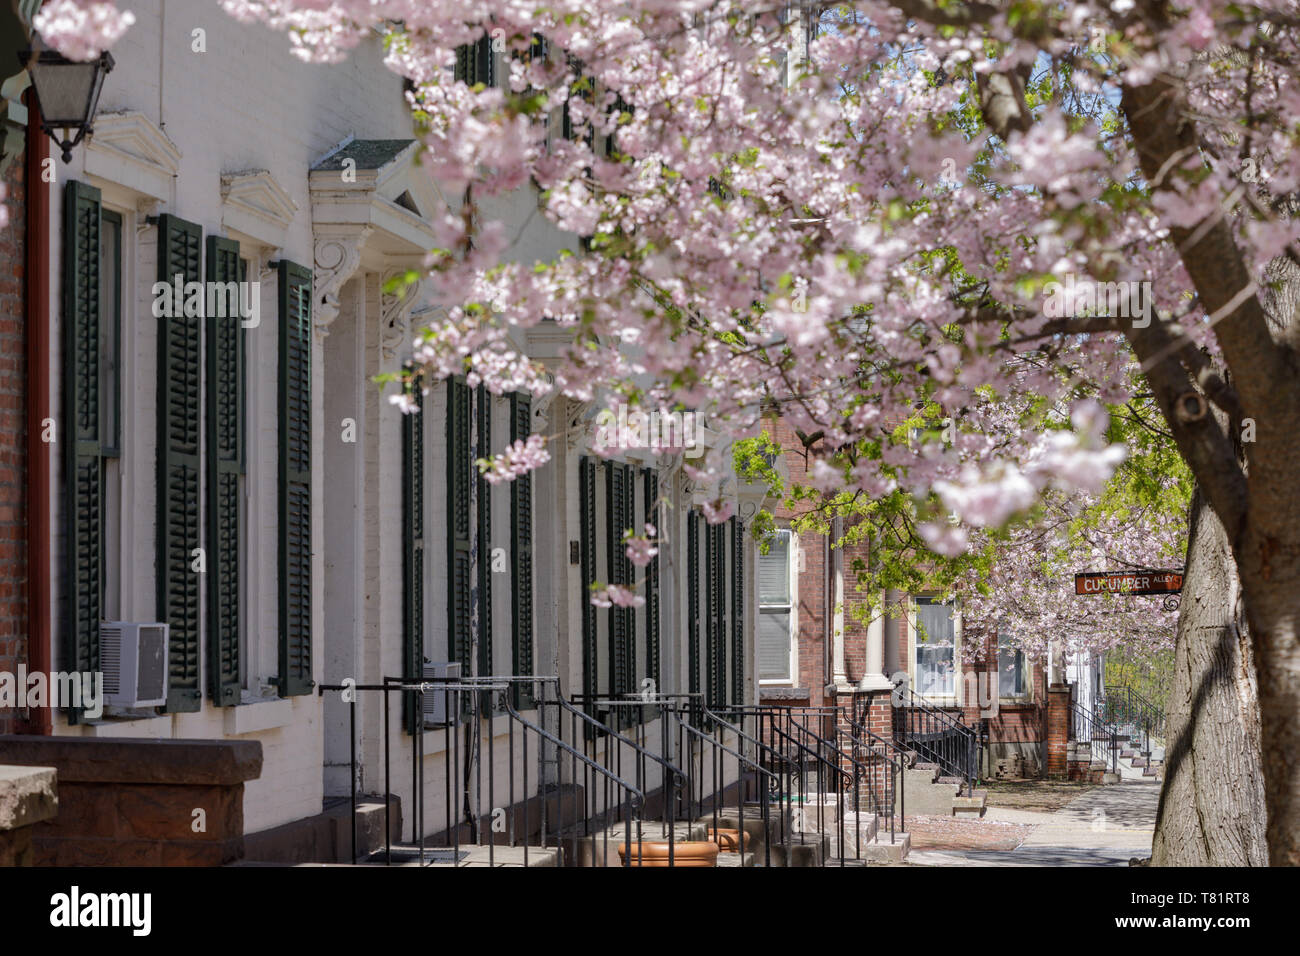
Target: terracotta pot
[693, 853]
[728, 841]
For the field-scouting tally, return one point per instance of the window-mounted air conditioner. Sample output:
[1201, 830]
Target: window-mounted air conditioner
[437, 700]
[133, 656]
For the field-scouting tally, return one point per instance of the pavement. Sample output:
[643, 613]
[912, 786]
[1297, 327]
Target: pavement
[1106, 826]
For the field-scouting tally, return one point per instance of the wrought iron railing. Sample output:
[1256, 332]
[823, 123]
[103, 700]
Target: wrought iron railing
[828, 782]
[1134, 714]
[706, 755]
[1102, 735]
[935, 736]
[885, 764]
[542, 794]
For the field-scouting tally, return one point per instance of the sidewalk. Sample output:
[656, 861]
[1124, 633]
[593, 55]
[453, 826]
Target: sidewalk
[1103, 827]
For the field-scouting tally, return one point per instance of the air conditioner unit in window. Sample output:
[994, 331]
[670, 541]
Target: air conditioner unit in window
[437, 701]
[133, 656]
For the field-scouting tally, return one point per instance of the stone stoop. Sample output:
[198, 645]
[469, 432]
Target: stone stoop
[926, 792]
[28, 796]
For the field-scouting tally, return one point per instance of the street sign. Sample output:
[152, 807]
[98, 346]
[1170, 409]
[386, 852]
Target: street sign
[1128, 582]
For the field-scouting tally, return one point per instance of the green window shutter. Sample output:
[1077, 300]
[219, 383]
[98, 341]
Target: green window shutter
[693, 601]
[616, 494]
[650, 481]
[521, 553]
[225, 419]
[82, 408]
[587, 557]
[737, 613]
[413, 550]
[483, 495]
[180, 255]
[458, 523]
[295, 480]
[712, 599]
[474, 62]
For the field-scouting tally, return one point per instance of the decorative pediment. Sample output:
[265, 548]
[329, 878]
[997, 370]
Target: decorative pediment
[126, 148]
[253, 203]
[376, 183]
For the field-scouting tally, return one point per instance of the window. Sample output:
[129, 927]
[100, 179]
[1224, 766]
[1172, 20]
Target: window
[1012, 678]
[935, 670]
[776, 610]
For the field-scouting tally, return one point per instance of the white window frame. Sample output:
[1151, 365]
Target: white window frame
[943, 700]
[1028, 691]
[792, 566]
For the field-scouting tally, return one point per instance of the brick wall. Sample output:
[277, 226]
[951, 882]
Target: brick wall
[13, 436]
[813, 605]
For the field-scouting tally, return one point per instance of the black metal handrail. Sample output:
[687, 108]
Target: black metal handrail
[886, 791]
[596, 732]
[802, 751]
[935, 736]
[1127, 708]
[1102, 736]
[765, 781]
[475, 815]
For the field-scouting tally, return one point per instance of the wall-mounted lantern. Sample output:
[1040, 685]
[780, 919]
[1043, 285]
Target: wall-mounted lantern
[68, 93]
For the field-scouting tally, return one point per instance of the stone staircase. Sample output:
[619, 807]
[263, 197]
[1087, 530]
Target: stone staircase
[1135, 764]
[926, 790]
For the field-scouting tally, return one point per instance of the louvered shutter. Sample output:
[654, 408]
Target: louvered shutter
[715, 596]
[693, 602]
[483, 508]
[180, 255]
[459, 481]
[650, 481]
[737, 613]
[587, 557]
[82, 408]
[225, 400]
[616, 494]
[295, 480]
[412, 550]
[521, 554]
[484, 501]
[474, 62]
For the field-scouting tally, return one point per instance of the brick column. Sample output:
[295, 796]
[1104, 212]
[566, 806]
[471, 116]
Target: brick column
[1058, 729]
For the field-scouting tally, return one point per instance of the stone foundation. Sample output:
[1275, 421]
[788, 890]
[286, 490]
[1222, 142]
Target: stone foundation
[129, 802]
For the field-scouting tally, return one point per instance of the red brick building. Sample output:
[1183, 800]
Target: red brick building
[815, 651]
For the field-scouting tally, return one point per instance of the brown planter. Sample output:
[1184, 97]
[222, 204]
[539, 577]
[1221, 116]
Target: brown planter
[693, 853]
[728, 841]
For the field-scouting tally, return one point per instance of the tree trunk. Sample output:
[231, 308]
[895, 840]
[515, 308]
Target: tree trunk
[1270, 572]
[1212, 803]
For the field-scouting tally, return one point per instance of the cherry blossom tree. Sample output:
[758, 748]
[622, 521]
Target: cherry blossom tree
[945, 202]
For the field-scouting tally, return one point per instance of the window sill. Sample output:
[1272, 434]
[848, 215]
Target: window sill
[252, 715]
[129, 723]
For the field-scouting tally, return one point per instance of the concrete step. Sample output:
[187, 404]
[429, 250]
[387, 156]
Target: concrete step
[1138, 762]
[860, 829]
[972, 806]
[736, 859]
[811, 852]
[882, 851]
[468, 856]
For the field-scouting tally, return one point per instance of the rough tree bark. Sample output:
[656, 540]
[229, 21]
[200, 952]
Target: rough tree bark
[1212, 803]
